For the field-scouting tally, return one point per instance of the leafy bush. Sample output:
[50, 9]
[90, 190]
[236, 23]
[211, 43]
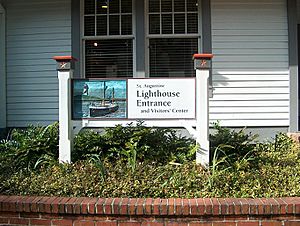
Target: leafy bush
[134, 142]
[26, 146]
[231, 143]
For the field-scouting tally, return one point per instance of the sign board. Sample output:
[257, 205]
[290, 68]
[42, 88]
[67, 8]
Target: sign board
[161, 98]
[158, 98]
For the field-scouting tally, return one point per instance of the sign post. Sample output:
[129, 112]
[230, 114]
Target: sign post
[64, 73]
[202, 63]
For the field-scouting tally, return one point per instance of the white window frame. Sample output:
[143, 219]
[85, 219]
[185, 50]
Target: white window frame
[149, 36]
[83, 38]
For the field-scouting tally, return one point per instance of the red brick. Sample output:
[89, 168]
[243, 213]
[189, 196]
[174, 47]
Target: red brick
[237, 206]
[215, 206]
[106, 224]
[84, 205]
[19, 204]
[244, 206]
[129, 224]
[282, 206]
[3, 198]
[201, 206]
[152, 224]
[178, 206]
[62, 222]
[224, 224]
[115, 206]
[107, 206]
[252, 206]
[156, 207]
[274, 206]
[9, 214]
[177, 224]
[34, 204]
[132, 206]
[4, 220]
[208, 206]
[83, 223]
[30, 215]
[164, 207]
[140, 206]
[148, 206]
[223, 206]
[92, 205]
[124, 206]
[193, 207]
[48, 203]
[40, 222]
[185, 207]
[292, 223]
[278, 223]
[247, 223]
[55, 205]
[200, 224]
[19, 221]
[69, 205]
[289, 205]
[171, 206]
[99, 206]
[77, 205]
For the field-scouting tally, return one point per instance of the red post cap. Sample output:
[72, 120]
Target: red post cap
[203, 56]
[64, 58]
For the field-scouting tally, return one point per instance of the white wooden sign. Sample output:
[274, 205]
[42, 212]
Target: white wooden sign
[162, 98]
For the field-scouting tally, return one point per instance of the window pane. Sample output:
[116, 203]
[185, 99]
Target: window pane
[154, 24]
[108, 58]
[101, 7]
[89, 6]
[101, 25]
[114, 6]
[166, 5]
[192, 23]
[167, 24]
[172, 57]
[114, 27]
[192, 5]
[126, 24]
[126, 6]
[179, 23]
[89, 25]
[179, 5]
[154, 6]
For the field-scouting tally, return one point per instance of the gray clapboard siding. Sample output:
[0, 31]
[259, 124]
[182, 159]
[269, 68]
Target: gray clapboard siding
[36, 31]
[250, 67]
[2, 68]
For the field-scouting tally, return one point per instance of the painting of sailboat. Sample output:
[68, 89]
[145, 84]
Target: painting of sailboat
[99, 99]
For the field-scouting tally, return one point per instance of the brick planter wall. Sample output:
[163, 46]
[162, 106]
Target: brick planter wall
[16, 210]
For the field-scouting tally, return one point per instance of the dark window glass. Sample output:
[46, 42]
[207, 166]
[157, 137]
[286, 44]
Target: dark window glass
[114, 6]
[179, 5]
[126, 24]
[154, 24]
[102, 25]
[89, 6]
[89, 25]
[166, 5]
[172, 57]
[102, 7]
[167, 24]
[126, 6]
[179, 23]
[154, 6]
[108, 58]
[114, 25]
[192, 5]
[192, 23]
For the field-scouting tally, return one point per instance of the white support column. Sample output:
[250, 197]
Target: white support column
[2, 69]
[64, 73]
[203, 66]
[202, 155]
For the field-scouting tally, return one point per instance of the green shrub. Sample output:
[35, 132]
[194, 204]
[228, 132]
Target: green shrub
[26, 146]
[234, 144]
[139, 142]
